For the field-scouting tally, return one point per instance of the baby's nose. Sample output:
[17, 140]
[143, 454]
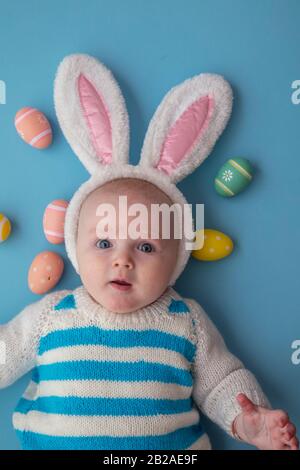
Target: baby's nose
[123, 261]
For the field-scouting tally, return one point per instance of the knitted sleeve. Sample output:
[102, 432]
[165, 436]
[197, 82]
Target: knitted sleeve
[19, 339]
[218, 375]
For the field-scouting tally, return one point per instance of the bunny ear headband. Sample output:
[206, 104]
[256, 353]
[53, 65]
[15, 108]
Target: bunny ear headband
[92, 114]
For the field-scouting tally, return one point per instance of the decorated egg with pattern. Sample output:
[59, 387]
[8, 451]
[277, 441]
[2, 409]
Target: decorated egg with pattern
[45, 272]
[215, 245]
[233, 177]
[34, 128]
[54, 221]
[5, 228]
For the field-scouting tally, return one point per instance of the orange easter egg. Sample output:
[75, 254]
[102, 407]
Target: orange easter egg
[45, 272]
[34, 128]
[54, 221]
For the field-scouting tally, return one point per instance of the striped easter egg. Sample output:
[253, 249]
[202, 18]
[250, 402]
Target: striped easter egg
[5, 228]
[33, 127]
[233, 177]
[54, 221]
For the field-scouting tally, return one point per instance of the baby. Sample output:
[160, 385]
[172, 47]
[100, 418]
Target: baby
[145, 267]
[123, 362]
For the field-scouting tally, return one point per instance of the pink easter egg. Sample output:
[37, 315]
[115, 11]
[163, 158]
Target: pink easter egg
[54, 221]
[45, 272]
[34, 128]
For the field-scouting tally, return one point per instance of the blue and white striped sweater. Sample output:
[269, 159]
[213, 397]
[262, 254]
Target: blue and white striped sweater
[112, 381]
[102, 380]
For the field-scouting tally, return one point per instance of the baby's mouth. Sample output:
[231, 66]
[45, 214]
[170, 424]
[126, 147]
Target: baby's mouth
[120, 284]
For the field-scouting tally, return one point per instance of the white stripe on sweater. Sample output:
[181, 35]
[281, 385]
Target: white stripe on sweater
[65, 425]
[66, 319]
[107, 389]
[107, 353]
[201, 444]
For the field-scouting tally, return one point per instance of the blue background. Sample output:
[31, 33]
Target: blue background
[253, 295]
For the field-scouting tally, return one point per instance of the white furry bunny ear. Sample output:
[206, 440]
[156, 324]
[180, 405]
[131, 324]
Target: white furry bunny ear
[91, 112]
[186, 125]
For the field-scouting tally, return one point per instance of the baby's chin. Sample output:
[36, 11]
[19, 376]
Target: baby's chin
[120, 301]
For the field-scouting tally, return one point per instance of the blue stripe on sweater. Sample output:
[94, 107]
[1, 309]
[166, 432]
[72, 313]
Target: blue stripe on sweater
[119, 371]
[104, 406]
[35, 375]
[178, 440]
[118, 339]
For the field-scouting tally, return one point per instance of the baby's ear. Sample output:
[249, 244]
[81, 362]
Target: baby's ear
[91, 112]
[186, 125]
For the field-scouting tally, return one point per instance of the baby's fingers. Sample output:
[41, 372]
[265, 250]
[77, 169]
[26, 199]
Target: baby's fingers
[294, 443]
[289, 431]
[291, 444]
[281, 418]
[246, 405]
[289, 437]
[283, 444]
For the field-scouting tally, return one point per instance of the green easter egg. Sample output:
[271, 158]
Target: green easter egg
[233, 177]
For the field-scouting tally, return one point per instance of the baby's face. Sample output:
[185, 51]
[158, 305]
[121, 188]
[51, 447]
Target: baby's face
[146, 264]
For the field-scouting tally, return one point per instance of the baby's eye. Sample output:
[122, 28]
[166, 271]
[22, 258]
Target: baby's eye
[103, 244]
[146, 247]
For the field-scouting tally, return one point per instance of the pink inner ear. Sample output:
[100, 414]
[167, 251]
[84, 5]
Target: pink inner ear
[184, 133]
[97, 118]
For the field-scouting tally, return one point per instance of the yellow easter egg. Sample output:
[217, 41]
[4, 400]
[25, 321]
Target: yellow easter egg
[5, 228]
[216, 245]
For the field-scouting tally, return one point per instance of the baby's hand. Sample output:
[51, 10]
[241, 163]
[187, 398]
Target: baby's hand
[266, 429]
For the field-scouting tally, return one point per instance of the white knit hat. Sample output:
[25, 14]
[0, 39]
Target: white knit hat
[92, 114]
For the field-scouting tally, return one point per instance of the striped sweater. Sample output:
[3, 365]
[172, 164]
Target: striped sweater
[104, 380]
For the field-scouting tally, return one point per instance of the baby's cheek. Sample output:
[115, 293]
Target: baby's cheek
[89, 265]
[169, 258]
[158, 271]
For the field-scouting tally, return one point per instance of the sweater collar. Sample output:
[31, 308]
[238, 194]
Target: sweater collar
[157, 309]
